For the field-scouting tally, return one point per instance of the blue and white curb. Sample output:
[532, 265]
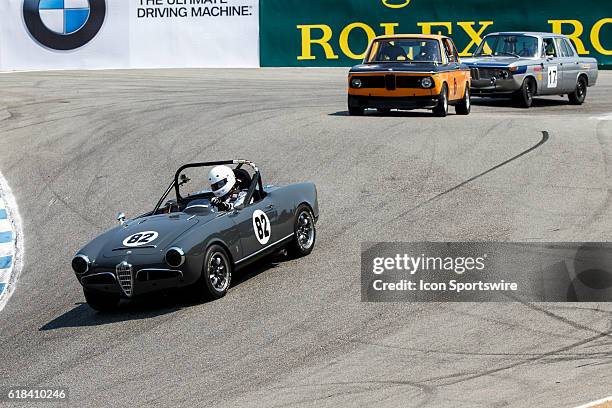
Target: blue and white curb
[11, 243]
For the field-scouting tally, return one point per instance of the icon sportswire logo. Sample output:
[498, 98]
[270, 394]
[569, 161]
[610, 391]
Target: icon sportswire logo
[64, 24]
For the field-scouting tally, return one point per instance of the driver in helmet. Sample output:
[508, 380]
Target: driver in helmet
[227, 193]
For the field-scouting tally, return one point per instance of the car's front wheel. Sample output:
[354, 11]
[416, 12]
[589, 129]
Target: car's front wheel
[465, 106]
[216, 274]
[101, 302]
[304, 232]
[441, 109]
[524, 97]
[579, 95]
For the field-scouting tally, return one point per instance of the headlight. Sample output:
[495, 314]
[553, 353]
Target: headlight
[427, 82]
[175, 257]
[80, 264]
[356, 83]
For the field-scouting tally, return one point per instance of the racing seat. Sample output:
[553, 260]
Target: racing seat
[243, 179]
[393, 53]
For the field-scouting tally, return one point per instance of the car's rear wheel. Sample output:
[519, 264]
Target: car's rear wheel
[524, 97]
[465, 106]
[101, 302]
[304, 232]
[579, 95]
[216, 274]
[441, 109]
[354, 111]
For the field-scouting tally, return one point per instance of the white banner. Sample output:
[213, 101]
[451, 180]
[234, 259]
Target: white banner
[100, 34]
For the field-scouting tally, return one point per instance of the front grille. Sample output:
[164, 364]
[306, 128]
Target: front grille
[125, 277]
[390, 82]
[409, 81]
[371, 81]
[488, 73]
[475, 73]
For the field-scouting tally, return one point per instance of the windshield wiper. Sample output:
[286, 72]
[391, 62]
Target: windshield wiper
[510, 53]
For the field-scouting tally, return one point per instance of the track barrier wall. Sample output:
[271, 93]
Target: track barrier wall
[98, 34]
[323, 33]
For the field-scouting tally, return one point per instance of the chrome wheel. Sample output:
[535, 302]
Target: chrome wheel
[305, 231]
[580, 89]
[219, 272]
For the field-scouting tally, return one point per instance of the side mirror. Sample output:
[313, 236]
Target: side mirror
[121, 218]
[184, 180]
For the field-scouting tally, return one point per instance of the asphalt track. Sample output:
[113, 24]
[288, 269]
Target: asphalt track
[78, 147]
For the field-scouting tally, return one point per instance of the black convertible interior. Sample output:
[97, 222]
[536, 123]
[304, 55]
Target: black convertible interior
[199, 202]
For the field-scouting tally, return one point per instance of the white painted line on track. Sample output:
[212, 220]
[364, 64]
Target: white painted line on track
[5, 225]
[596, 403]
[12, 249]
[6, 249]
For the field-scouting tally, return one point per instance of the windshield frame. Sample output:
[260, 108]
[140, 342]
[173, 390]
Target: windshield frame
[479, 51]
[369, 59]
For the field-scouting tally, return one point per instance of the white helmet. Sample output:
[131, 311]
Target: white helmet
[222, 180]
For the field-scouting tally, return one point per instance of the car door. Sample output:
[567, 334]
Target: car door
[553, 74]
[569, 63]
[455, 85]
[258, 226]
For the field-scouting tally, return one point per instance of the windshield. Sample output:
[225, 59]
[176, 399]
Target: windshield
[405, 50]
[508, 45]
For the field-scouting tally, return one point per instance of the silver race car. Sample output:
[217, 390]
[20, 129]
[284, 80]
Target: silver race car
[522, 65]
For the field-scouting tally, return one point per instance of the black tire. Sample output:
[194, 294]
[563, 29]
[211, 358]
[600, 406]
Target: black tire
[304, 232]
[441, 109]
[524, 97]
[465, 106]
[216, 275]
[101, 302]
[579, 95]
[353, 111]
[384, 111]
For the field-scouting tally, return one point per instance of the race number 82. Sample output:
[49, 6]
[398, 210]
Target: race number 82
[261, 227]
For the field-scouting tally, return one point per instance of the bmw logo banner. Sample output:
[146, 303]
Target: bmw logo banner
[64, 24]
[102, 34]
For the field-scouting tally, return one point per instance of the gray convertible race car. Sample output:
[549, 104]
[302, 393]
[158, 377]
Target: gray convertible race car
[523, 65]
[187, 242]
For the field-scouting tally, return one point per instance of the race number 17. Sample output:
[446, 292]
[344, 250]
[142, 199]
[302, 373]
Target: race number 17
[552, 77]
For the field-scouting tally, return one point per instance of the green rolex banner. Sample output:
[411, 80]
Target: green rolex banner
[298, 33]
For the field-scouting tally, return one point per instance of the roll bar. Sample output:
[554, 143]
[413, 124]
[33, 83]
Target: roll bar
[176, 183]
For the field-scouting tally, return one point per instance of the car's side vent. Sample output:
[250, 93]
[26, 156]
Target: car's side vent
[125, 277]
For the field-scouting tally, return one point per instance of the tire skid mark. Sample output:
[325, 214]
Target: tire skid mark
[467, 376]
[545, 138]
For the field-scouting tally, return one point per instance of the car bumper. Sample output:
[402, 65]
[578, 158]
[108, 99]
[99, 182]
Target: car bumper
[412, 102]
[486, 87]
[144, 281]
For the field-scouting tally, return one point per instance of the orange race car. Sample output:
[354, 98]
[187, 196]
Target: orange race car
[410, 72]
